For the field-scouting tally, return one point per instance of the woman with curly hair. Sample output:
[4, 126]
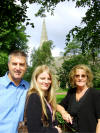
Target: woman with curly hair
[81, 106]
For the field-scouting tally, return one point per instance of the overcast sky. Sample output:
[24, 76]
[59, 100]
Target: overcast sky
[66, 16]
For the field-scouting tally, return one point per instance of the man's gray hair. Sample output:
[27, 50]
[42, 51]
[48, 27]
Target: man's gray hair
[17, 53]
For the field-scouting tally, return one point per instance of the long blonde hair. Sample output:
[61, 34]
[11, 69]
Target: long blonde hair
[51, 98]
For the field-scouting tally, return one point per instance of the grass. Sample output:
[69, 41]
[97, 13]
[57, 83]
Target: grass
[61, 90]
[98, 88]
[59, 97]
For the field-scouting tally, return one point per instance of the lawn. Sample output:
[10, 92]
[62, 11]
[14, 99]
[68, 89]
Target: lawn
[60, 94]
[61, 90]
[59, 97]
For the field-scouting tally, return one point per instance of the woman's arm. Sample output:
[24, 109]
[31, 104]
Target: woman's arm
[65, 115]
[98, 126]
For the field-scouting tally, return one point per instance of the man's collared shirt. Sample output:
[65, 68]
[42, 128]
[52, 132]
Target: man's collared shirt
[12, 101]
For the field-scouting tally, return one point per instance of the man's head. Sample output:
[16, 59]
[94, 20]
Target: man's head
[17, 64]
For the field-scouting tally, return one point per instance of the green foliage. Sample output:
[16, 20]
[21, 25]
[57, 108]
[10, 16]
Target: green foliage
[88, 35]
[14, 39]
[28, 74]
[96, 72]
[59, 97]
[12, 32]
[73, 48]
[40, 56]
[11, 40]
[13, 14]
[12, 35]
[3, 63]
[61, 122]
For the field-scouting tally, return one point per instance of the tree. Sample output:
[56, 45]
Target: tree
[15, 39]
[40, 56]
[73, 48]
[12, 14]
[89, 35]
[12, 32]
[3, 63]
[12, 41]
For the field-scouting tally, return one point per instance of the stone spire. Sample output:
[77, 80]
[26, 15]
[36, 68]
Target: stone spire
[44, 36]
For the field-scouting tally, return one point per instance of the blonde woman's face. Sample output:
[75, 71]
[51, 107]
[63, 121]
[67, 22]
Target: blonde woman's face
[44, 81]
[80, 78]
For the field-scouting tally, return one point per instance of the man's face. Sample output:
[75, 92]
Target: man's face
[17, 67]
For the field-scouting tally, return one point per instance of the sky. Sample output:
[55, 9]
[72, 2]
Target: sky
[65, 17]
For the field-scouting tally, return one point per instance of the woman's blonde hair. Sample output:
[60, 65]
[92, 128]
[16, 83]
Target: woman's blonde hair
[88, 73]
[50, 97]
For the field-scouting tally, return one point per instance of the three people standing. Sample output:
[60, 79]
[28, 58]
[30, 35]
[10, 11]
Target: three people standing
[80, 108]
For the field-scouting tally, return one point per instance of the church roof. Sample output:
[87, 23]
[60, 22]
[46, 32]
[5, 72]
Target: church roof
[44, 36]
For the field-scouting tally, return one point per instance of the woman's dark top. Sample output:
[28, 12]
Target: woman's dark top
[34, 114]
[85, 112]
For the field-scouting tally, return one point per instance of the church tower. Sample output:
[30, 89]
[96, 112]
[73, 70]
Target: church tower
[44, 36]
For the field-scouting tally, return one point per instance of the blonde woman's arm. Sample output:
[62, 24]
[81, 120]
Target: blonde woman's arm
[65, 115]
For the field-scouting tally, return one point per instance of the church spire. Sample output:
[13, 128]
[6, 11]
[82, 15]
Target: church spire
[44, 36]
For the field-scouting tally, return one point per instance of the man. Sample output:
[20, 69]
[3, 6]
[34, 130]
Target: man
[13, 91]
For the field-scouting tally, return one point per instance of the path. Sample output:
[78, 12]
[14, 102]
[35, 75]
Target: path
[61, 93]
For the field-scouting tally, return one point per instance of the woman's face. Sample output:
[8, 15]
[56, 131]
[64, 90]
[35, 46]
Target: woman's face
[80, 78]
[44, 81]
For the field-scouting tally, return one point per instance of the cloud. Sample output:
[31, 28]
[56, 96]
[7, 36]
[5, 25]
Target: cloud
[31, 44]
[56, 52]
[66, 16]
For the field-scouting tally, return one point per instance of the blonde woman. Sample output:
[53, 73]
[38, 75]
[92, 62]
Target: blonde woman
[41, 107]
[81, 106]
